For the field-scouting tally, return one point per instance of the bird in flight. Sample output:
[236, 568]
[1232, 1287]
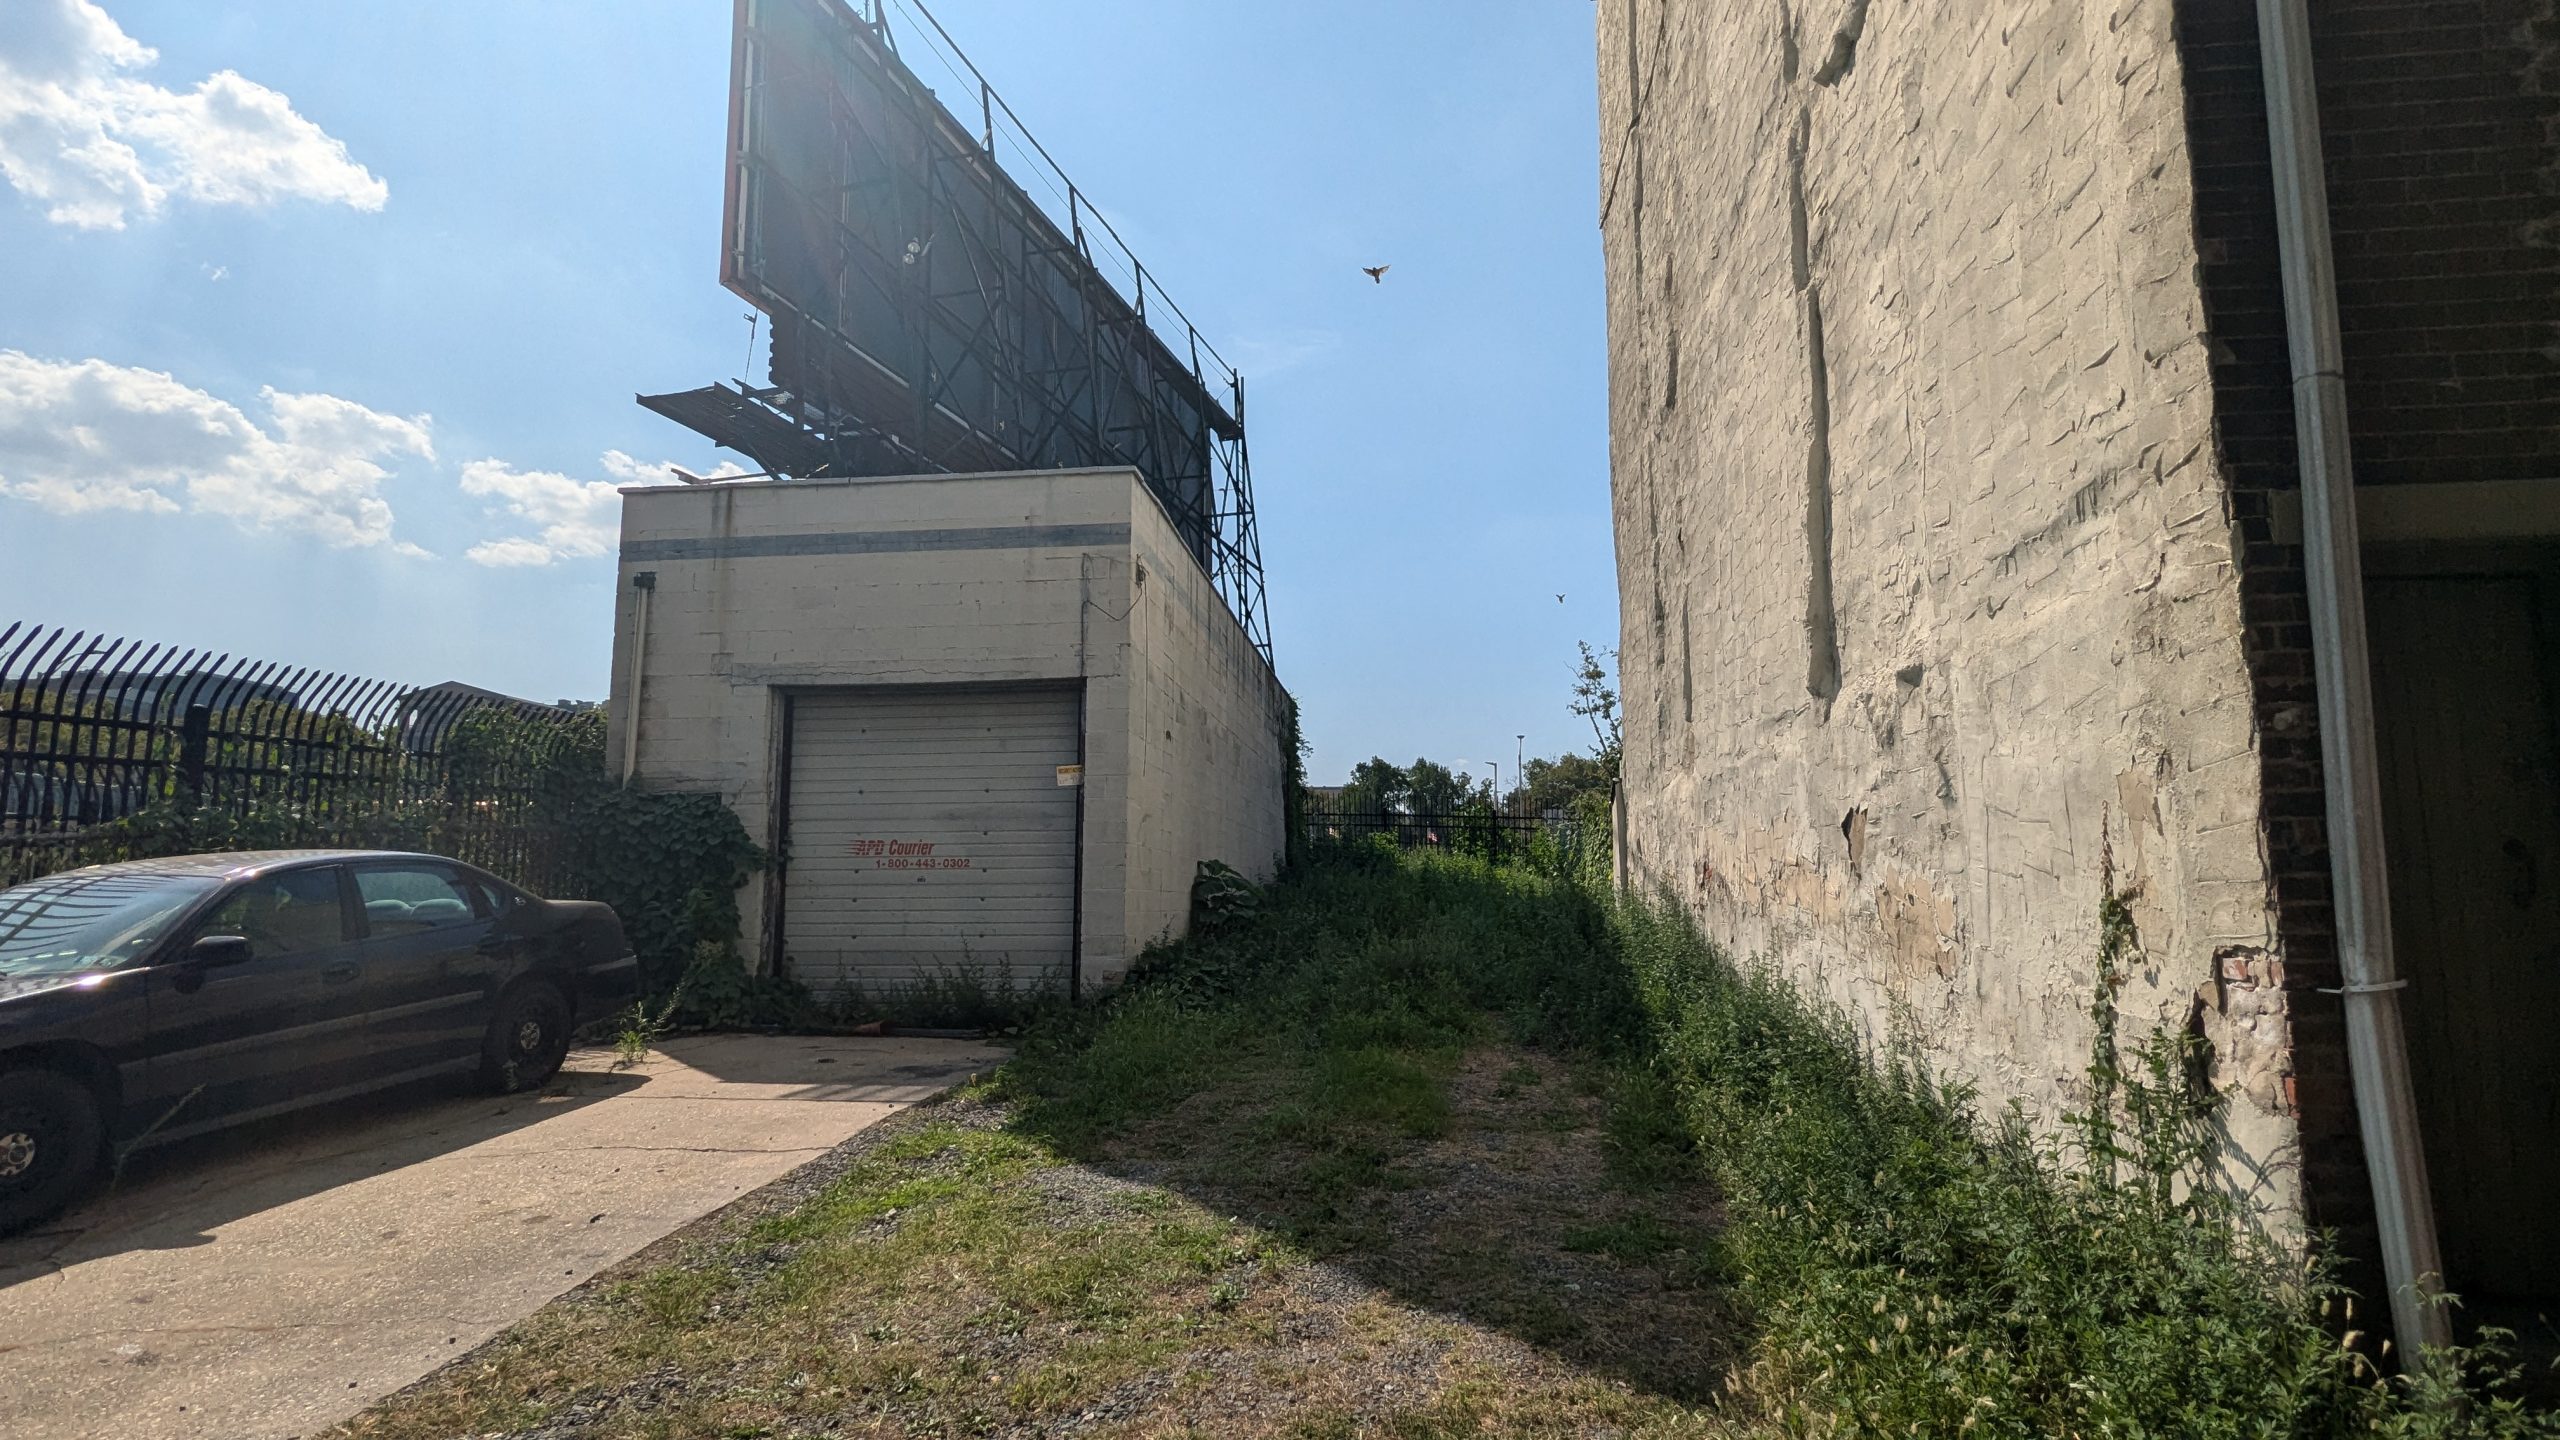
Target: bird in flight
[1377, 273]
[1559, 599]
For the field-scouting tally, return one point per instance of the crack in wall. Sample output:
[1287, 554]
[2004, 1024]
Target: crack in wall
[1821, 615]
[1635, 215]
[1844, 45]
[1799, 219]
[1640, 81]
[1821, 618]
[1671, 337]
[1688, 671]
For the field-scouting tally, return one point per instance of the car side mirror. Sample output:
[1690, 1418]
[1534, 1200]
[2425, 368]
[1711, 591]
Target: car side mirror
[214, 951]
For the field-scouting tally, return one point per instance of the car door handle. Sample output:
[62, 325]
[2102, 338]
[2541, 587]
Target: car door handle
[340, 973]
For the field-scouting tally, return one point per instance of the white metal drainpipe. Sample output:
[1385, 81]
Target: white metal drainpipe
[646, 584]
[2333, 566]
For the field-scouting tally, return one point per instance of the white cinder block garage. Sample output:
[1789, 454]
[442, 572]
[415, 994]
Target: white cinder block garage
[988, 724]
[932, 831]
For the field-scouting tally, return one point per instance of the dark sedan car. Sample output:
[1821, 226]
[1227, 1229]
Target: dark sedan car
[144, 1002]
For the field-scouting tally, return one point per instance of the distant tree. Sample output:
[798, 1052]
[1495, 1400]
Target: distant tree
[1377, 788]
[1595, 698]
[1432, 788]
[1556, 784]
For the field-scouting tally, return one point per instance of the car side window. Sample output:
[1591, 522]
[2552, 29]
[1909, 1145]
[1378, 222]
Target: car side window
[410, 900]
[484, 896]
[294, 913]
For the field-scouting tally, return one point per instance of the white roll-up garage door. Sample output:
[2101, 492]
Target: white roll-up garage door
[932, 835]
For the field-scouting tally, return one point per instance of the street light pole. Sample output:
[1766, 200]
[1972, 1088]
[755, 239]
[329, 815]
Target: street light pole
[1520, 768]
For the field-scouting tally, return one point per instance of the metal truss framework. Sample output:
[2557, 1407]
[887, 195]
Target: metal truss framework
[929, 315]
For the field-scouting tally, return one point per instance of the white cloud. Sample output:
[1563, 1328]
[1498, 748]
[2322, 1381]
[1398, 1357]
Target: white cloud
[578, 519]
[82, 436]
[630, 470]
[504, 554]
[82, 137]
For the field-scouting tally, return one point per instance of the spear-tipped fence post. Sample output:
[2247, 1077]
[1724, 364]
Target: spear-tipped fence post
[195, 735]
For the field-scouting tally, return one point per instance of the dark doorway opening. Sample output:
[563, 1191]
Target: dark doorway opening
[2465, 648]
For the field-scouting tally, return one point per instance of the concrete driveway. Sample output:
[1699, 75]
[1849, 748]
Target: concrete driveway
[272, 1282]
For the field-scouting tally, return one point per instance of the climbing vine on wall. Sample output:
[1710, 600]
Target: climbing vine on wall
[1293, 785]
[670, 863]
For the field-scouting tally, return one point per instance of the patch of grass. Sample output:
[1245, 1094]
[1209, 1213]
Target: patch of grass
[1648, 1139]
[1910, 1265]
[1084, 1077]
[965, 996]
[1381, 1085]
[895, 1283]
[1632, 1238]
[1285, 1182]
[674, 1295]
[1915, 1268]
[1560, 1118]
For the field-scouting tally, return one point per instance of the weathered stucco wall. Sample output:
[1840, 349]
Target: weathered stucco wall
[767, 587]
[1929, 605]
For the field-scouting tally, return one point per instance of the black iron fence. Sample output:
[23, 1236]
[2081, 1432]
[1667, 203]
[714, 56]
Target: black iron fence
[1483, 829]
[113, 749]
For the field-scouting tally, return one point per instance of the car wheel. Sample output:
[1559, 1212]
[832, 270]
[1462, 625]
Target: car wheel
[51, 1141]
[527, 1038]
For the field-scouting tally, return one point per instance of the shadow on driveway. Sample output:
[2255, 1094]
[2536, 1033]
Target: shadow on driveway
[892, 1069]
[172, 1197]
[269, 1282]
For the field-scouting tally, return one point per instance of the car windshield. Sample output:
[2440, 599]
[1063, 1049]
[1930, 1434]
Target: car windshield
[69, 923]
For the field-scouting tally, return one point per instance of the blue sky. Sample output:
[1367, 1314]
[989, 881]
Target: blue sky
[320, 323]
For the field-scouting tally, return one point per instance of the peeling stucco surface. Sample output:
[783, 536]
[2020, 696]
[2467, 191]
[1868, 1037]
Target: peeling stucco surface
[1925, 554]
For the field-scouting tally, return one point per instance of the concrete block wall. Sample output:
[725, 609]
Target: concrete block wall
[1205, 739]
[761, 587]
[1930, 610]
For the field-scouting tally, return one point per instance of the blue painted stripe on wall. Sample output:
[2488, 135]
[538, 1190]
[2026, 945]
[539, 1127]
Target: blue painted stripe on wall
[878, 542]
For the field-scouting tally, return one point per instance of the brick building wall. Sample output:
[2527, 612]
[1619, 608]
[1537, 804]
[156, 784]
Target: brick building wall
[2439, 122]
[1926, 555]
[2442, 123]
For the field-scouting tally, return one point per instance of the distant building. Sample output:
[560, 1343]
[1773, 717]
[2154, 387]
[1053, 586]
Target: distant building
[139, 695]
[1962, 552]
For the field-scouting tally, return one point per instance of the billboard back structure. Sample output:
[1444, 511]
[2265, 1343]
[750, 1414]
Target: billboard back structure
[928, 314]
